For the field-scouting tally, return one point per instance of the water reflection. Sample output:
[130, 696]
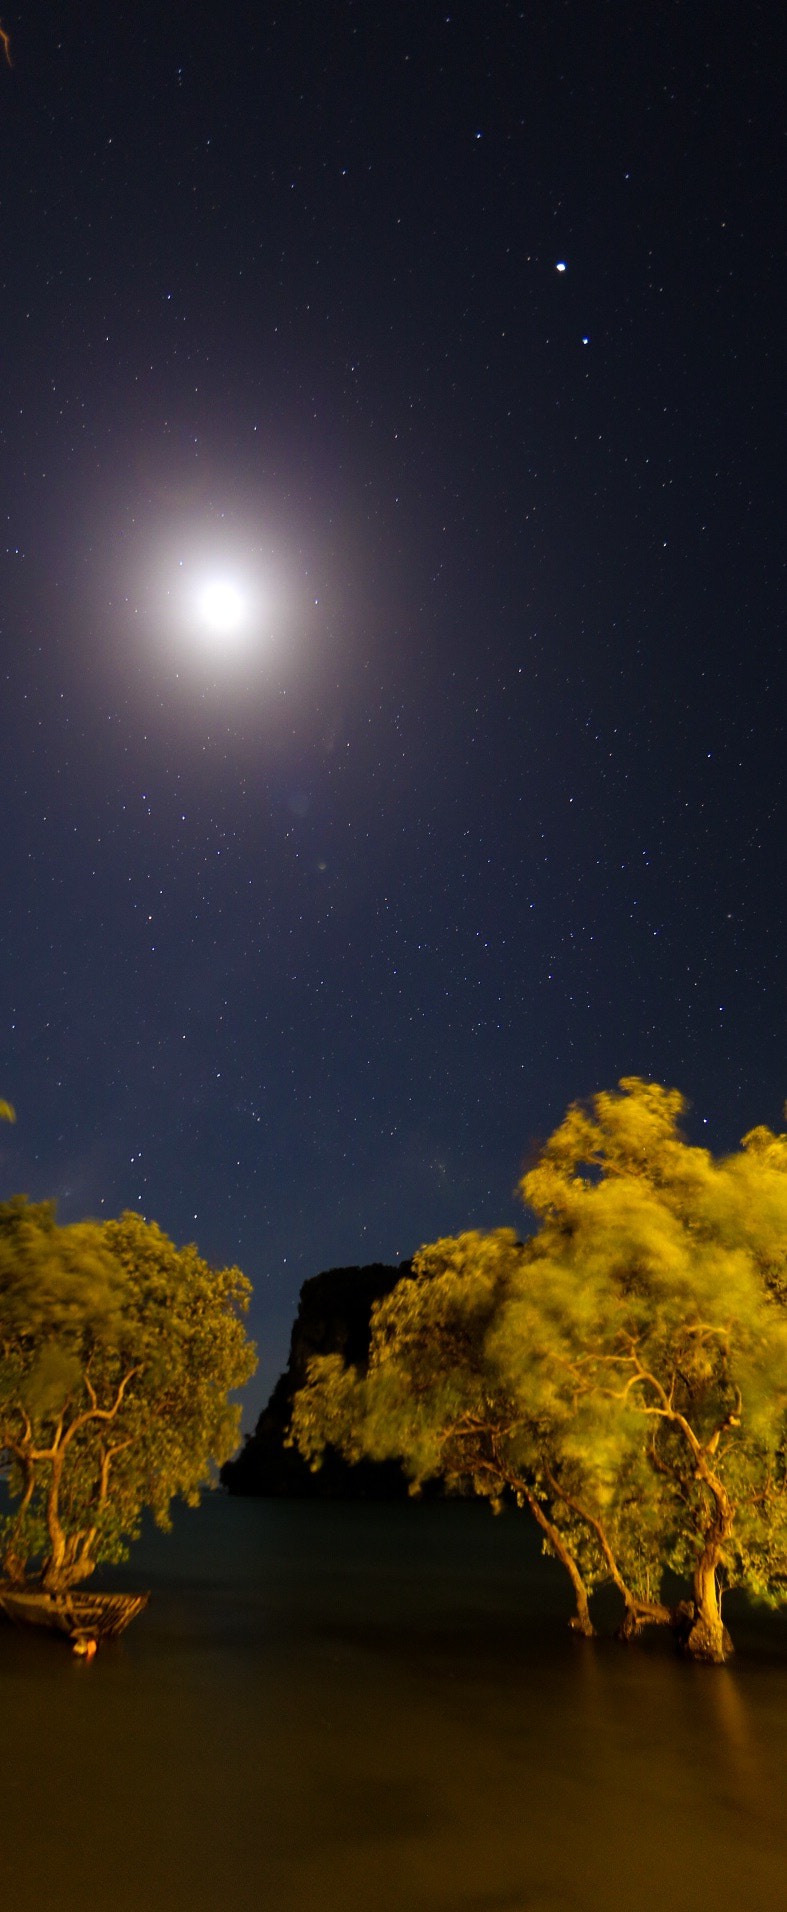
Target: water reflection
[354, 1707]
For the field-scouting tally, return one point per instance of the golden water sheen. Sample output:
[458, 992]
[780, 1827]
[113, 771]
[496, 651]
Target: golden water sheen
[380, 1709]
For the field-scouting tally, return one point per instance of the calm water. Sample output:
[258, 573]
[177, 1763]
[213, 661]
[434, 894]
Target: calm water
[330, 1708]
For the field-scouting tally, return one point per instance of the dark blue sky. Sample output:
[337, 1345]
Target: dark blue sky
[301, 948]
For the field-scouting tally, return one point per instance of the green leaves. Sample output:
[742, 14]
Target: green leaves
[55, 1281]
[53, 1376]
[623, 1373]
[118, 1352]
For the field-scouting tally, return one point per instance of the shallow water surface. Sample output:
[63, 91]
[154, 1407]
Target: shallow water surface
[345, 1707]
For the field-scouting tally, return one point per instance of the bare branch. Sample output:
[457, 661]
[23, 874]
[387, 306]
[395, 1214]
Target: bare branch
[101, 1413]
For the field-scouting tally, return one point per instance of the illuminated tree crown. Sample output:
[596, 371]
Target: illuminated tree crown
[117, 1352]
[623, 1373]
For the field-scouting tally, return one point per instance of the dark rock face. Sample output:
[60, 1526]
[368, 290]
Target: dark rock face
[333, 1318]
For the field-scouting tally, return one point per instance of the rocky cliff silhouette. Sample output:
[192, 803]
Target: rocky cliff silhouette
[334, 1311]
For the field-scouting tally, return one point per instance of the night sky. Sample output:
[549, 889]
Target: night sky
[451, 338]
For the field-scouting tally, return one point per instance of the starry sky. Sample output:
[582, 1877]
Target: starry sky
[452, 337]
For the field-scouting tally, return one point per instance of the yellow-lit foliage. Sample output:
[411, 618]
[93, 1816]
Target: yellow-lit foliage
[117, 1354]
[623, 1372]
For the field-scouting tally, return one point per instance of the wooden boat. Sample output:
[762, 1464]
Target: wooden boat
[83, 1617]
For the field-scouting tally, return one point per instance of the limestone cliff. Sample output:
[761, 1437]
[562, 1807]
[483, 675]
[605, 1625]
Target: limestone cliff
[333, 1317]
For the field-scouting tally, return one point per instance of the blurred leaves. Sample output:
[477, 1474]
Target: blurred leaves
[118, 1352]
[623, 1372]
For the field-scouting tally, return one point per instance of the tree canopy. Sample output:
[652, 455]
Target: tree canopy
[622, 1373]
[117, 1354]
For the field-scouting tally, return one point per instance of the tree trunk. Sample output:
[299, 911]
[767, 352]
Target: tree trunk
[701, 1631]
[54, 1578]
[79, 1562]
[699, 1625]
[580, 1621]
[639, 1613]
[643, 1613]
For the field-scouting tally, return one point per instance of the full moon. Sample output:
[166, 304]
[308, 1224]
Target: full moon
[215, 603]
[222, 607]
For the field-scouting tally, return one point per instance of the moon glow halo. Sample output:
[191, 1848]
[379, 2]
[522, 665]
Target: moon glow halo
[221, 608]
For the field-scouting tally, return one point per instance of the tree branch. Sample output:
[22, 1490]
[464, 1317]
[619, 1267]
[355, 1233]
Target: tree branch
[651, 1609]
[101, 1413]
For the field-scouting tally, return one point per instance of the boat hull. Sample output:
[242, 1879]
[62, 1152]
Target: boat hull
[80, 1616]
